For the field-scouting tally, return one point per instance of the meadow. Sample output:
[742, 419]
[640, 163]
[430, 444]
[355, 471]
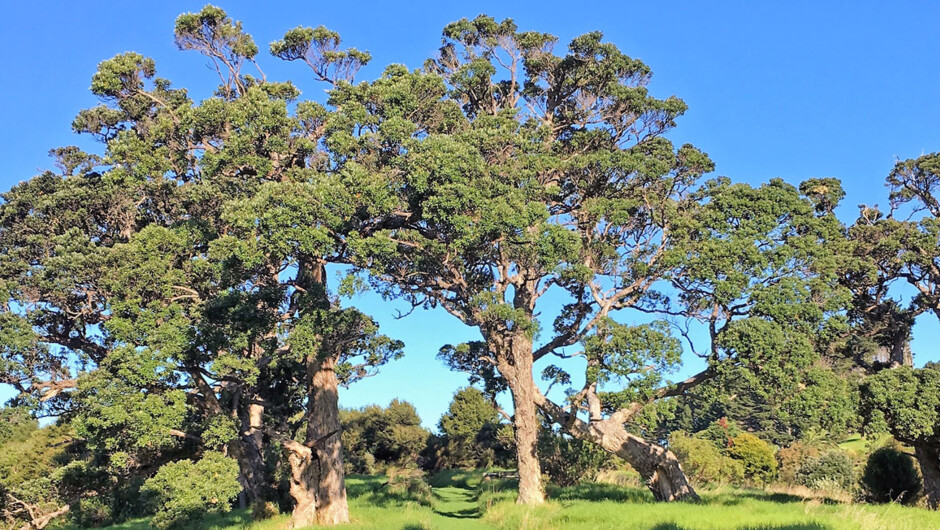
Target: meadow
[463, 500]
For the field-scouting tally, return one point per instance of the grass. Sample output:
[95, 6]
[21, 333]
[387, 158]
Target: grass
[858, 445]
[463, 500]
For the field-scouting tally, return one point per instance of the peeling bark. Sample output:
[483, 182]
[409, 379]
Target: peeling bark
[317, 481]
[304, 476]
[250, 456]
[323, 436]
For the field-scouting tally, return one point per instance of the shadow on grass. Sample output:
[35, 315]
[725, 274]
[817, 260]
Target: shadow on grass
[600, 492]
[359, 485]
[732, 499]
[456, 503]
[808, 526]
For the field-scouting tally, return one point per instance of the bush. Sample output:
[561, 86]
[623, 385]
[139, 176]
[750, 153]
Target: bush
[568, 461]
[185, 492]
[760, 464]
[408, 484]
[834, 468]
[703, 461]
[790, 461]
[890, 476]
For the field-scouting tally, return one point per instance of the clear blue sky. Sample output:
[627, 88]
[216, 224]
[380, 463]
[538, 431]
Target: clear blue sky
[775, 89]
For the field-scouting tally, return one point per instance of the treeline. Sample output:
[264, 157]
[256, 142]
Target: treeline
[168, 298]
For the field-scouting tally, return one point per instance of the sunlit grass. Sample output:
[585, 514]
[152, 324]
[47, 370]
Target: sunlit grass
[463, 500]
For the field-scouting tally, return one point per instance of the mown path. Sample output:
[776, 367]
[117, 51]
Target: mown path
[459, 503]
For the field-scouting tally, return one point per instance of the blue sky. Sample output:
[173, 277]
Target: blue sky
[786, 89]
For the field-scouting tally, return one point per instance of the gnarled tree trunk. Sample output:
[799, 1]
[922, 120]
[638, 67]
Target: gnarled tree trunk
[658, 466]
[516, 369]
[317, 482]
[304, 476]
[250, 456]
[324, 438]
[928, 456]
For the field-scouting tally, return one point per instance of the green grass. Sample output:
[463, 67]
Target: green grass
[462, 500]
[859, 445]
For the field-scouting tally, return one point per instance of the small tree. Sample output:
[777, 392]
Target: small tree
[902, 246]
[472, 432]
[906, 402]
[760, 463]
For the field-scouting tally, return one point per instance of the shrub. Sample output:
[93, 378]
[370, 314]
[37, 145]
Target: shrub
[185, 492]
[569, 461]
[890, 476]
[791, 459]
[831, 469]
[703, 461]
[760, 464]
[408, 484]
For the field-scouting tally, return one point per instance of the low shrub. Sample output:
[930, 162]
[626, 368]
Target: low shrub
[568, 461]
[408, 484]
[185, 492]
[833, 469]
[790, 461]
[757, 456]
[890, 476]
[703, 461]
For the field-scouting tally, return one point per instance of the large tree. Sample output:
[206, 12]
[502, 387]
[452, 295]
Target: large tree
[520, 173]
[754, 271]
[189, 261]
[899, 252]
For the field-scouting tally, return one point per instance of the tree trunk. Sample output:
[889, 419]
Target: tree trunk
[518, 374]
[250, 456]
[324, 438]
[928, 456]
[318, 478]
[304, 476]
[658, 466]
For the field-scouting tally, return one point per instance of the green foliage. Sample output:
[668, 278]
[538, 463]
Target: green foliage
[473, 435]
[905, 401]
[831, 469]
[569, 461]
[407, 483]
[791, 459]
[704, 462]
[382, 436]
[468, 414]
[760, 464]
[890, 476]
[720, 432]
[184, 492]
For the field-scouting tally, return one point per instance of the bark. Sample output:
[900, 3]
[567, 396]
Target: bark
[317, 482]
[304, 476]
[246, 449]
[323, 436]
[250, 456]
[517, 370]
[658, 466]
[928, 456]
[37, 519]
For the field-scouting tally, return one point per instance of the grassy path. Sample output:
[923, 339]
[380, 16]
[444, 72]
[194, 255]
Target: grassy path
[456, 503]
